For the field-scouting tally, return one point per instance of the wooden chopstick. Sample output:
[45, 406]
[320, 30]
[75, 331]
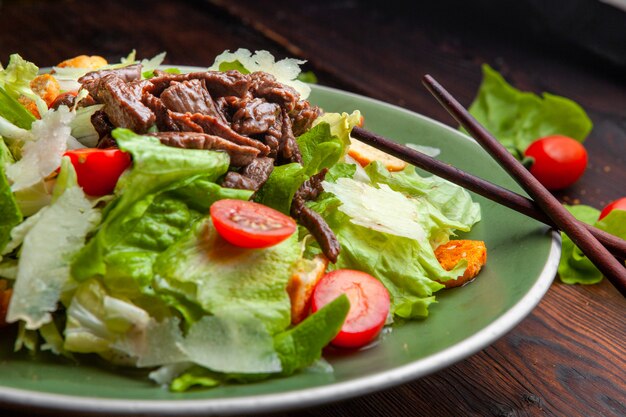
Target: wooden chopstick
[598, 254]
[480, 186]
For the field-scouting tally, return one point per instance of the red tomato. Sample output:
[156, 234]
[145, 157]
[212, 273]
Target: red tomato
[369, 305]
[250, 225]
[559, 161]
[619, 204]
[98, 169]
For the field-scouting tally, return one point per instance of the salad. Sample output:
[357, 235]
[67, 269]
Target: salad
[210, 227]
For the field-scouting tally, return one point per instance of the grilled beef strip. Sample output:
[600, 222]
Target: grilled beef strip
[164, 121]
[303, 116]
[215, 126]
[122, 106]
[218, 84]
[101, 123]
[288, 150]
[251, 177]
[189, 97]
[266, 86]
[315, 224]
[253, 116]
[240, 156]
[91, 80]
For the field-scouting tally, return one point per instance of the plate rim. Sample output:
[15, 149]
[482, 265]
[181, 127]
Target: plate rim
[17, 398]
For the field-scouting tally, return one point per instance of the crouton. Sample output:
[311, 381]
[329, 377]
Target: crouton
[30, 105]
[364, 154]
[93, 62]
[301, 284]
[5, 297]
[449, 254]
[47, 87]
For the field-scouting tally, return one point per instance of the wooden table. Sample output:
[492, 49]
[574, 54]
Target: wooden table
[568, 358]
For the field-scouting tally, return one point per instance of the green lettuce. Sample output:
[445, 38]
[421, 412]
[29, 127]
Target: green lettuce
[96, 320]
[14, 112]
[281, 186]
[15, 80]
[393, 218]
[44, 265]
[519, 118]
[221, 278]
[10, 214]
[146, 218]
[574, 266]
[302, 345]
[321, 147]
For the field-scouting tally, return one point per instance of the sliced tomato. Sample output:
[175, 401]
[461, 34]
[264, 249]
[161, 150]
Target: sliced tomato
[619, 204]
[98, 169]
[250, 225]
[369, 305]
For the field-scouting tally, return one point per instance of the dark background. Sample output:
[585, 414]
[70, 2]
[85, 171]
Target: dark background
[568, 357]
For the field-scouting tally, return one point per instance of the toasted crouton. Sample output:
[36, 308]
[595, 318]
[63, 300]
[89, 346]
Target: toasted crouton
[301, 284]
[364, 154]
[449, 254]
[47, 87]
[5, 297]
[93, 62]
[30, 105]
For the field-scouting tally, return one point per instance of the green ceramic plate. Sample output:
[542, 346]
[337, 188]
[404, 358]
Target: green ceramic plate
[523, 258]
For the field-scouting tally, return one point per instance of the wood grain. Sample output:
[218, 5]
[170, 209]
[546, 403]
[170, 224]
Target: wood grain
[568, 357]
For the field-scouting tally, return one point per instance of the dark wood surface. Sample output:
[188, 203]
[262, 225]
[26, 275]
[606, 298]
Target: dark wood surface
[568, 358]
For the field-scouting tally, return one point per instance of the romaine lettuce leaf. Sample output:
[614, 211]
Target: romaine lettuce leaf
[224, 279]
[15, 80]
[448, 206]
[281, 186]
[96, 320]
[380, 228]
[320, 148]
[134, 229]
[43, 269]
[14, 112]
[302, 345]
[519, 118]
[43, 155]
[341, 125]
[574, 266]
[10, 214]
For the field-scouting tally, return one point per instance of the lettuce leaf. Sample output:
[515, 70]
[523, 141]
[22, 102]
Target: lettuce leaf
[43, 155]
[449, 207]
[302, 345]
[95, 321]
[281, 186]
[15, 80]
[144, 220]
[322, 147]
[43, 268]
[14, 112]
[222, 278]
[574, 266]
[519, 118]
[393, 218]
[10, 214]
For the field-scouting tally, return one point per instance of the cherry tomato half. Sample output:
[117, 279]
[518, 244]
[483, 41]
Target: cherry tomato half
[98, 169]
[369, 305]
[619, 204]
[559, 161]
[250, 225]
